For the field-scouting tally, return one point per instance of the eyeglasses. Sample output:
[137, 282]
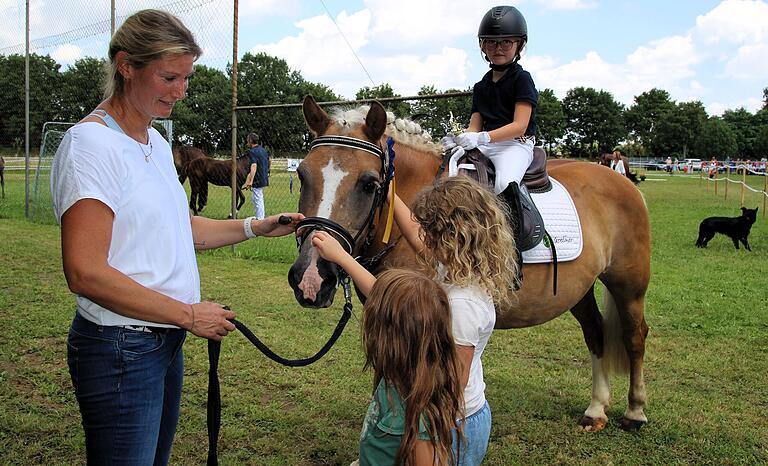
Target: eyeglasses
[503, 44]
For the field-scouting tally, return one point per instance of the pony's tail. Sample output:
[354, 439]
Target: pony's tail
[615, 358]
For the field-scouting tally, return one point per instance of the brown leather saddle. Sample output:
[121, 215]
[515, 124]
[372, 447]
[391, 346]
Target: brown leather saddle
[478, 167]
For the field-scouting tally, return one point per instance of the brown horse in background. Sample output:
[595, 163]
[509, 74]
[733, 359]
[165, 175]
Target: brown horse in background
[204, 170]
[181, 158]
[337, 184]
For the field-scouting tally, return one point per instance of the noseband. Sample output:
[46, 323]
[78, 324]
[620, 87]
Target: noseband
[348, 242]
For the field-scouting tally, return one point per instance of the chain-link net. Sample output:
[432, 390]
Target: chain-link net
[68, 48]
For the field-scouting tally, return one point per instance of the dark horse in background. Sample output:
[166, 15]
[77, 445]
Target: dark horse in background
[182, 156]
[204, 170]
[340, 183]
[2, 175]
[605, 159]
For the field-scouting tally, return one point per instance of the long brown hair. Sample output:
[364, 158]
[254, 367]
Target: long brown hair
[466, 230]
[408, 343]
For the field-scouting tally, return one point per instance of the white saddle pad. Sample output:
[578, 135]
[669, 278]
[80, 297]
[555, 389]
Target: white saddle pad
[561, 222]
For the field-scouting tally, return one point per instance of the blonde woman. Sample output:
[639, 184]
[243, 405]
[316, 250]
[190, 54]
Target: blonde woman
[128, 248]
[461, 232]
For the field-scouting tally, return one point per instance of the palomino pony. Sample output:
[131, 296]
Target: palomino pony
[204, 170]
[181, 158]
[341, 183]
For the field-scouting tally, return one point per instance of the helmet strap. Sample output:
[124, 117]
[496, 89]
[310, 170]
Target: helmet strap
[503, 67]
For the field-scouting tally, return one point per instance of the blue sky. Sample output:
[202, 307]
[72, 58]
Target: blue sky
[707, 50]
[713, 51]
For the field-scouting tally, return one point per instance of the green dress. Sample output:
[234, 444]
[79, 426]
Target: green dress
[383, 427]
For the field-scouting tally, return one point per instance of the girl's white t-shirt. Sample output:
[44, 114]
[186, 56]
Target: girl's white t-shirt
[151, 233]
[473, 317]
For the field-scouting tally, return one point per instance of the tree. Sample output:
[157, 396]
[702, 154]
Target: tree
[434, 114]
[400, 109]
[718, 139]
[262, 80]
[646, 114]
[678, 129]
[765, 98]
[745, 128]
[203, 118]
[81, 88]
[761, 143]
[595, 122]
[550, 118]
[44, 96]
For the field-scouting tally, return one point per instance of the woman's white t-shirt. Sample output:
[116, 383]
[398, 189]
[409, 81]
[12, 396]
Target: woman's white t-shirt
[151, 233]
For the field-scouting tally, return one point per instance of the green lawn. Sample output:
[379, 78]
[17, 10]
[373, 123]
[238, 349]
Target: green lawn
[706, 359]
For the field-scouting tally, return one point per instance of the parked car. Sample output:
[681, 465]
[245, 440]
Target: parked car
[694, 164]
[653, 164]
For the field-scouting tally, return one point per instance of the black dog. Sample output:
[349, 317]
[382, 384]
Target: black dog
[737, 228]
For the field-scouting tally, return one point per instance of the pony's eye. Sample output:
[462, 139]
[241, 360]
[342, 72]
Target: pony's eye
[370, 187]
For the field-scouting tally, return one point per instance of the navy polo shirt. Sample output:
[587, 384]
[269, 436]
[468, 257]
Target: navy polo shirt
[495, 101]
[259, 156]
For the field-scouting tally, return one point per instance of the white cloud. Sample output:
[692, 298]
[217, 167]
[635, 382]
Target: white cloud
[264, 9]
[568, 4]
[67, 54]
[734, 21]
[750, 63]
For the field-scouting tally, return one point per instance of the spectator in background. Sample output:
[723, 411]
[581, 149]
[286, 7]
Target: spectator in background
[258, 177]
[617, 164]
[668, 166]
[712, 167]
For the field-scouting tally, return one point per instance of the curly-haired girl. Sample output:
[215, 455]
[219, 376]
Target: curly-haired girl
[460, 230]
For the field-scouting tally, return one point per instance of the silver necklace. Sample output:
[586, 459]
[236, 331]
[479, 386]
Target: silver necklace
[146, 155]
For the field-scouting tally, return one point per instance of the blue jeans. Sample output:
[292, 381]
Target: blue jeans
[128, 387]
[477, 432]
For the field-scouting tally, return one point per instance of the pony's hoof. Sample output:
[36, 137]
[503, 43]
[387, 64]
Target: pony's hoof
[590, 424]
[631, 425]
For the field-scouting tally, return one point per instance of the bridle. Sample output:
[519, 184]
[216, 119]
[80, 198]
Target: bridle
[349, 242]
[307, 226]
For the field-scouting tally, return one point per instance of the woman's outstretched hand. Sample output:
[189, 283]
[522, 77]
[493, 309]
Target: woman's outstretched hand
[277, 225]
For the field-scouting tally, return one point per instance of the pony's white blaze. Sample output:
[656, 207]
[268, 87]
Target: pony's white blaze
[311, 281]
[332, 177]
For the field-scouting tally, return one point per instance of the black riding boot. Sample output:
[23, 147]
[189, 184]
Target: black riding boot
[511, 195]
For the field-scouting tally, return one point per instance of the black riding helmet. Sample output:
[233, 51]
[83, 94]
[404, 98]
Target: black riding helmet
[503, 21]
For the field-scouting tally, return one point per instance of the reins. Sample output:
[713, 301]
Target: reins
[305, 227]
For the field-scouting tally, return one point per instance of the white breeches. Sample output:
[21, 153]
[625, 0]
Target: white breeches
[257, 197]
[510, 159]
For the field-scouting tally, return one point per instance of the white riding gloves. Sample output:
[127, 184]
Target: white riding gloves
[448, 141]
[471, 140]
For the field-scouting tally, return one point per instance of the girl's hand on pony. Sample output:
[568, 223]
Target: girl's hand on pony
[328, 247]
[470, 140]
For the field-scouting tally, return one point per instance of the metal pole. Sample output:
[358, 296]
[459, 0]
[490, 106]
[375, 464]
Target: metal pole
[743, 182]
[727, 179]
[26, 117]
[112, 19]
[234, 110]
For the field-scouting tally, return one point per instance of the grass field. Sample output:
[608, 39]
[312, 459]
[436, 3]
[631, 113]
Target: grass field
[706, 359]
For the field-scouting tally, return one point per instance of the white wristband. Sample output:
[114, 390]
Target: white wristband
[247, 228]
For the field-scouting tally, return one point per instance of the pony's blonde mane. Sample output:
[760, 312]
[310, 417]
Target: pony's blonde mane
[401, 130]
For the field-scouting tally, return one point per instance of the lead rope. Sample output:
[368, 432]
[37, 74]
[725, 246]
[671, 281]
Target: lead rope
[214, 350]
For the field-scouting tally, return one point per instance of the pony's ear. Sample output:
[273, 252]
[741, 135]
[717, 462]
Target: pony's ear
[316, 118]
[375, 121]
